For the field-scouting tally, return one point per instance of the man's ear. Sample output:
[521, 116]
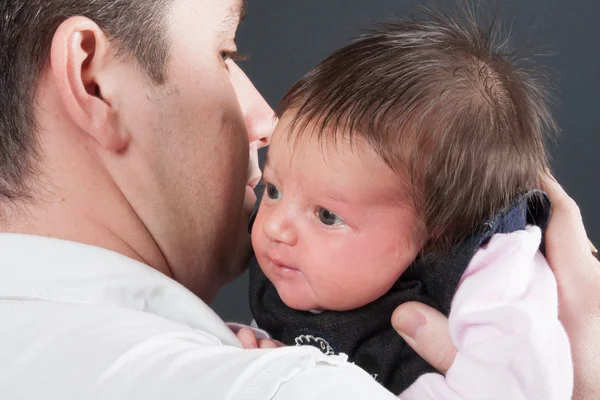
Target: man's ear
[81, 60]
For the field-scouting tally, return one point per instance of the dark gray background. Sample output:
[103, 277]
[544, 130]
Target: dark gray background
[285, 38]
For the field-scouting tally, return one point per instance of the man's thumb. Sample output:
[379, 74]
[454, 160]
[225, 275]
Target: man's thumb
[426, 331]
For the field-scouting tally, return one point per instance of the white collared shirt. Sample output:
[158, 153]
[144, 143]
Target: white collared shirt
[82, 322]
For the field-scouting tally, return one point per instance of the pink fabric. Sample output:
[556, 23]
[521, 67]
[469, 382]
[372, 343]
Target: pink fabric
[504, 323]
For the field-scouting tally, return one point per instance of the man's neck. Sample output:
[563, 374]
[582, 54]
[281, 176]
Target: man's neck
[77, 199]
[61, 216]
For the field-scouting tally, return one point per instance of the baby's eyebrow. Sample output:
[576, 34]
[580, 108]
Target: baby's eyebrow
[268, 168]
[338, 197]
[267, 163]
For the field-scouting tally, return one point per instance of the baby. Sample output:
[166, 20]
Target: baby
[403, 168]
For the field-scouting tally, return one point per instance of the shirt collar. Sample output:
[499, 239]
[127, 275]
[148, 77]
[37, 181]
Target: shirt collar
[41, 268]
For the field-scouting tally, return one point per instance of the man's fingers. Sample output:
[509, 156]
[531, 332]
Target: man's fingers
[569, 254]
[566, 238]
[426, 331]
[247, 338]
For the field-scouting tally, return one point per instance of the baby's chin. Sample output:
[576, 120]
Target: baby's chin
[297, 301]
[307, 303]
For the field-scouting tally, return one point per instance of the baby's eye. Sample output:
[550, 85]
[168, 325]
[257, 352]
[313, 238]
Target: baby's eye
[273, 192]
[328, 218]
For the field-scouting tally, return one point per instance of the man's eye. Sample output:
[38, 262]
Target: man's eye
[328, 218]
[272, 192]
[226, 55]
[232, 55]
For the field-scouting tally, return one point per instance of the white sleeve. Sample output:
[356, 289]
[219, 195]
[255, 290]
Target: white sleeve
[504, 324]
[74, 351]
[177, 368]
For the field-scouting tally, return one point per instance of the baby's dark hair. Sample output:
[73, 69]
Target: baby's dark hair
[446, 105]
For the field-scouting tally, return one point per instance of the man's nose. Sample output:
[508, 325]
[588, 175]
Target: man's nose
[260, 117]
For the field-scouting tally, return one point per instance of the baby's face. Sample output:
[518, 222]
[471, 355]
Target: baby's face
[333, 231]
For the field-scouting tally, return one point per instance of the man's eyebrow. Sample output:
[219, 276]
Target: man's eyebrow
[237, 13]
[242, 10]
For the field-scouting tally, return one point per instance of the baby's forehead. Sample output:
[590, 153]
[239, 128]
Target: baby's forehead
[334, 140]
[342, 165]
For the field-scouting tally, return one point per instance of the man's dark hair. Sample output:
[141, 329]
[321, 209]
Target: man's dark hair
[445, 104]
[26, 31]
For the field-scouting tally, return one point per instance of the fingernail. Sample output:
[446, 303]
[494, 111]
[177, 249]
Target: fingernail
[408, 323]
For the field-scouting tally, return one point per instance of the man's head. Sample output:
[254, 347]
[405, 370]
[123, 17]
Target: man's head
[27, 30]
[135, 127]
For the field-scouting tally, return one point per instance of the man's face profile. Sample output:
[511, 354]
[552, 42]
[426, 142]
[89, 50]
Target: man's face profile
[191, 147]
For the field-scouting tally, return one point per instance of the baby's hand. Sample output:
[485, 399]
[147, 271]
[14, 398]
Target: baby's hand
[249, 340]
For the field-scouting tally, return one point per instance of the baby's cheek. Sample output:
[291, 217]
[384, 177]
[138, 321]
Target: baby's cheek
[341, 287]
[358, 279]
[257, 236]
[254, 237]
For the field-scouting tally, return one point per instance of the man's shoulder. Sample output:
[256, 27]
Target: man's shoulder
[50, 343]
[65, 273]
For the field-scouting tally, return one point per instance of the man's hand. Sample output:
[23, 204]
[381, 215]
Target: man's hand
[425, 329]
[578, 275]
[577, 272]
[249, 341]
